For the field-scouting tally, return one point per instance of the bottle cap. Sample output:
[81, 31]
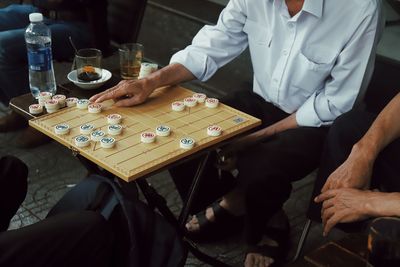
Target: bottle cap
[35, 17]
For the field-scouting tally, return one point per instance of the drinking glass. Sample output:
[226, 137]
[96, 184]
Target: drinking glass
[384, 242]
[130, 58]
[88, 64]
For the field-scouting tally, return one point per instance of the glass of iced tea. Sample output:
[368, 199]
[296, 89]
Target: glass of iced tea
[384, 242]
[88, 64]
[130, 58]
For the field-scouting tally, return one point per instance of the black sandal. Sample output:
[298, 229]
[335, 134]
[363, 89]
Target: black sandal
[224, 225]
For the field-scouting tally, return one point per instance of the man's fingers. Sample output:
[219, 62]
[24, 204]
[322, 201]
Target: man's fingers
[331, 222]
[326, 195]
[327, 203]
[326, 214]
[326, 185]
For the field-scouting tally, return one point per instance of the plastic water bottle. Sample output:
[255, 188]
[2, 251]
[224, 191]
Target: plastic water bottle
[38, 44]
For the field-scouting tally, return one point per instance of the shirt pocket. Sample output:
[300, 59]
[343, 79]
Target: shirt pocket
[257, 34]
[313, 67]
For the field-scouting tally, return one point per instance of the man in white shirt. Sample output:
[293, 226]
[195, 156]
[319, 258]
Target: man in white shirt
[309, 59]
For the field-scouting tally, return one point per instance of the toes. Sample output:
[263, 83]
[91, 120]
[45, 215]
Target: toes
[257, 260]
[193, 224]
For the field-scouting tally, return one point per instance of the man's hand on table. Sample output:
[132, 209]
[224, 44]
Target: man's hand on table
[126, 93]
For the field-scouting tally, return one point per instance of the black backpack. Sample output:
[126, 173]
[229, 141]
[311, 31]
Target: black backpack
[144, 237]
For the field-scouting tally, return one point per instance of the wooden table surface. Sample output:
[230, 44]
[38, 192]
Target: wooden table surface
[131, 159]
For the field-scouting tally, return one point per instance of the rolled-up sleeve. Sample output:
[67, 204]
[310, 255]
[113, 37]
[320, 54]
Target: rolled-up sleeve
[215, 46]
[343, 86]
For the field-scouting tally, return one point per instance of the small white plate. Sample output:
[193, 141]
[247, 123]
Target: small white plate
[105, 76]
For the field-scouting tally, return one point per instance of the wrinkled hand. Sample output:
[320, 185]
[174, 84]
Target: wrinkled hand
[355, 172]
[126, 93]
[342, 206]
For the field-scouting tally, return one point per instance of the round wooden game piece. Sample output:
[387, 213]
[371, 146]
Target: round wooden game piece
[86, 128]
[114, 119]
[178, 106]
[190, 102]
[214, 130]
[71, 101]
[45, 95]
[212, 102]
[35, 109]
[200, 98]
[114, 129]
[186, 143]
[61, 129]
[107, 142]
[61, 100]
[82, 103]
[163, 130]
[51, 104]
[147, 137]
[97, 135]
[82, 141]
[94, 108]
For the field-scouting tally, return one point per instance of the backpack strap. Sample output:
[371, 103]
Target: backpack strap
[115, 199]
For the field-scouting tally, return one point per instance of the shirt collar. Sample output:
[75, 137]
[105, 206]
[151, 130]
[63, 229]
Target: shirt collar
[312, 6]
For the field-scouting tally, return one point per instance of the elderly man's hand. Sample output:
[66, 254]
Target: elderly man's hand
[342, 206]
[126, 93]
[355, 172]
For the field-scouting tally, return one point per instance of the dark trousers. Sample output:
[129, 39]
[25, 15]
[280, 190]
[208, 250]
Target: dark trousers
[266, 170]
[347, 130]
[70, 239]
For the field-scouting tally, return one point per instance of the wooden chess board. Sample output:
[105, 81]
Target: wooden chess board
[131, 159]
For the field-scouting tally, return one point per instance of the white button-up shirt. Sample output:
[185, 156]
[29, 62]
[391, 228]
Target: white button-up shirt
[312, 63]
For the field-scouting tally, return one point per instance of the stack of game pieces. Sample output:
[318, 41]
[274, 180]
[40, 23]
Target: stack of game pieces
[146, 69]
[43, 96]
[61, 100]
[51, 105]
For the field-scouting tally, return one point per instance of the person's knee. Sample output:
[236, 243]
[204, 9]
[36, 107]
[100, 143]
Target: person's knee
[13, 166]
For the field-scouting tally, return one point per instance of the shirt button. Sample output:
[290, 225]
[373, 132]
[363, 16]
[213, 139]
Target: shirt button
[285, 52]
[290, 25]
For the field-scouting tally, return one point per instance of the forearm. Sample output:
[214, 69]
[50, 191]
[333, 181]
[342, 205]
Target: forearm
[278, 127]
[383, 204]
[169, 75]
[384, 130]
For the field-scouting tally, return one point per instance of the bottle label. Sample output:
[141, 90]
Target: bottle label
[39, 59]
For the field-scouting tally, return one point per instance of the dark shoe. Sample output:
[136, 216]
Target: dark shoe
[12, 122]
[31, 138]
[225, 224]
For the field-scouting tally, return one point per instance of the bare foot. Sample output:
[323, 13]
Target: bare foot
[254, 259]
[193, 224]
